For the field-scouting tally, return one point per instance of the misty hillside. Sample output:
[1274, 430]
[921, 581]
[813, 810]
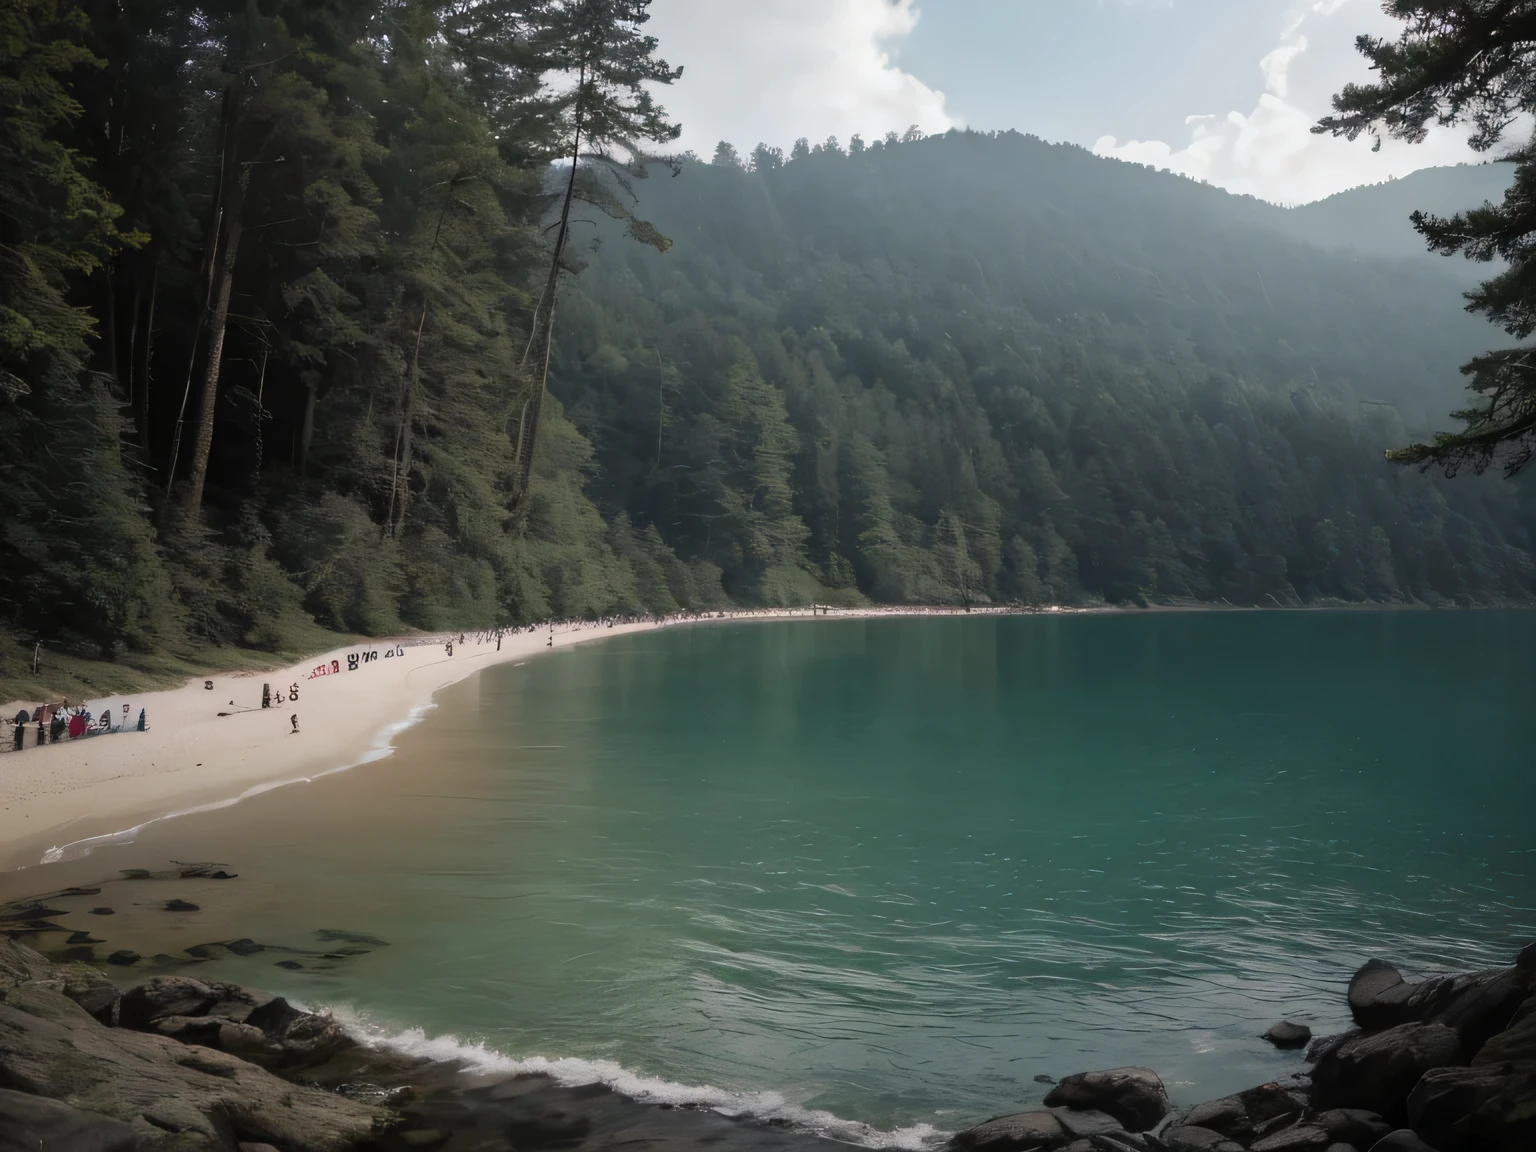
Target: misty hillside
[978, 367]
[1373, 219]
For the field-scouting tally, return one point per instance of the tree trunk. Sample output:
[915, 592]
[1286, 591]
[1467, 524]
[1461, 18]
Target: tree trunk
[202, 446]
[400, 481]
[544, 331]
[145, 360]
[307, 432]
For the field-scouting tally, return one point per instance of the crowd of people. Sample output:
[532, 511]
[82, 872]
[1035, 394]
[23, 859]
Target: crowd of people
[66, 721]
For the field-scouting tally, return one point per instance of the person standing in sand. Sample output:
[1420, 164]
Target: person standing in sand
[294, 719]
[23, 718]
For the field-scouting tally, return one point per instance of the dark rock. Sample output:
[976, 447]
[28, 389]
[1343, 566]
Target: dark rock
[102, 912]
[291, 965]
[1526, 961]
[1134, 1096]
[97, 996]
[164, 996]
[232, 1002]
[1250, 1114]
[1322, 1045]
[1044, 1079]
[1353, 1126]
[220, 874]
[1193, 1139]
[1016, 1133]
[1489, 1106]
[83, 938]
[1517, 1043]
[1402, 1140]
[274, 1017]
[1081, 1124]
[32, 1122]
[247, 1146]
[1288, 1034]
[359, 938]
[302, 1038]
[181, 906]
[245, 947]
[84, 954]
[1296, 1138]
[1341, 1147]
[1376, 992]
[1376, 1071]
[124, 958]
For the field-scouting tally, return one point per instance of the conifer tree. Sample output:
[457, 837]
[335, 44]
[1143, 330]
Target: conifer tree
[1468, 64]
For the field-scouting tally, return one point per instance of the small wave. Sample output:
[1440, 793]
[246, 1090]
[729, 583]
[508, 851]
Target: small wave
[382, 746]
[570, 1071]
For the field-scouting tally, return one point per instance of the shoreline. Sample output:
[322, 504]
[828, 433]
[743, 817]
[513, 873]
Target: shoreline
[209, 743]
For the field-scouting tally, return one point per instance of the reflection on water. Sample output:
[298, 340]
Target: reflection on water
[895, 869]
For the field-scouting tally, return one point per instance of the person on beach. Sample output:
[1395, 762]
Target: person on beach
[143, 727]
[294, 719]
[59, 725]
[23, 718]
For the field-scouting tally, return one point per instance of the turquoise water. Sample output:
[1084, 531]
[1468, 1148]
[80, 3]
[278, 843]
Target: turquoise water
[894, 869]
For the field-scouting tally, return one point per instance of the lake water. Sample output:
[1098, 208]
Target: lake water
[891, 870]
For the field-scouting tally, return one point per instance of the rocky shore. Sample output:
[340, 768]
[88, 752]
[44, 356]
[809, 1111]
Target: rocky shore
[1447, 1064]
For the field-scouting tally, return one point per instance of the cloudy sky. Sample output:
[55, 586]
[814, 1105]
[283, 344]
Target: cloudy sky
[1220, 90]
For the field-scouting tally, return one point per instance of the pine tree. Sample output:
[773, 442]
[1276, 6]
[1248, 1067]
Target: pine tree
[1474, 64]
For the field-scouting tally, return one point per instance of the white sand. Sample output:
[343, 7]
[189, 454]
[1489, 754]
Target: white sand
[55, 799]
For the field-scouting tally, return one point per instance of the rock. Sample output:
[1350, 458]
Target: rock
[32, 1122]
[1376, 992]
[181, 906]
[18, 964]
[247, 1146]
[102, 912]
[97, 996]
[302, 1038]
[164, 996]
[1191, 1139]
[1526, 961]
[1517, 1043]
[245, 947]
[1250, 1114]
[1044, 1079]
[1402, 1140]
[1288, 1034]
[1376, 1071]
[1352, 1126]
[1134, 1096]
[1489, 1106]
[291, 965]
[49, 1046]
[1017, 1133]
[83, 938]
[124, 958]
[1080, 1125]
[1322, 1045]
[1296, 1138]
[1341, 1147]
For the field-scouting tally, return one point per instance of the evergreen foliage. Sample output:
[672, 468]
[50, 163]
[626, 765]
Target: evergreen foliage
[1474, 64]
[277, 294]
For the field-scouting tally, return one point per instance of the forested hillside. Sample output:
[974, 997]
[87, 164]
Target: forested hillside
[976, 367]
[269, 280]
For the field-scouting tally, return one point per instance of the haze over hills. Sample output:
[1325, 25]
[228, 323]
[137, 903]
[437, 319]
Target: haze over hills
[977, 366]
[1372, 220]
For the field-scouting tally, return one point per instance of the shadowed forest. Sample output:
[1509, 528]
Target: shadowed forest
[962, 369]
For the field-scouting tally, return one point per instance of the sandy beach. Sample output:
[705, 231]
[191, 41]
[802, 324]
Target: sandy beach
[213, 745]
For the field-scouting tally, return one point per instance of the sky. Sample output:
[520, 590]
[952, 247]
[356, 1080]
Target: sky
[1220, 90]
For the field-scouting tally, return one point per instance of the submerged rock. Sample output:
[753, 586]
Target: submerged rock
[1133, 1095]
[181, 906]
[124, 957]
[1288, 1034]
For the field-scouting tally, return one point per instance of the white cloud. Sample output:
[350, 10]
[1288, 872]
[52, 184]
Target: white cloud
[1271, 151]
[774, 70]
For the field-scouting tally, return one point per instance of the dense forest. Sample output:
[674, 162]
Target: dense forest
[274, 277]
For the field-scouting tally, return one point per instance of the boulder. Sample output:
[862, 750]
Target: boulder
[1488, 1106]
[1527, 958]
[1134, 1096]
[1017, 1133]
[1517, 1043]
[49, 1046]
[1189, 1139]
[1341, 1147]
[1288, 1034]
[1352, 1126]
[1376, 995]
[32, 1122]
[1322, 1045]
[1082, 1124]
[164, 996]
[96, 995]
[1296, 1138]
[1249, 1114]
[18, 964]
[302, 1038]
[1377, 1071]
